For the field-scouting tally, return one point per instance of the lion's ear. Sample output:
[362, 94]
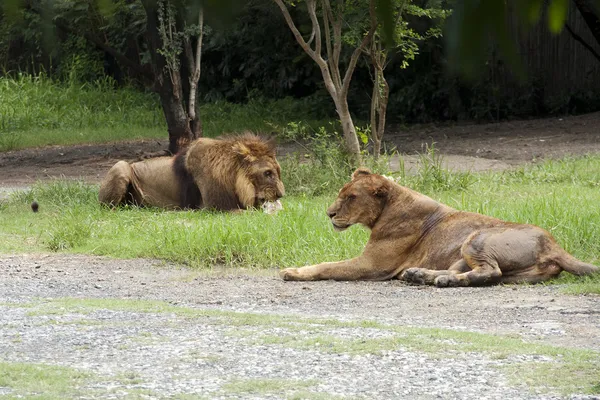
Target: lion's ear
[381, 190]
[244, 151]
[271, 142]
[360, 172]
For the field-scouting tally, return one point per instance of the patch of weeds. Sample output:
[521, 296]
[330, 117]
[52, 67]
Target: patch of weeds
[265, 386]
[189, 396]
[579, 284]
[332, 344]
[146, 338]
[69, 305]
[307, 395]
[198, 355]
[41, 381]
[574, 376]
[432, 176]
[129, 378]
[9, 140]
[68, 236]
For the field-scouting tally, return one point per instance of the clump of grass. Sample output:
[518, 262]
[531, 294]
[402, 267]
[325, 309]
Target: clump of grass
[41, 381]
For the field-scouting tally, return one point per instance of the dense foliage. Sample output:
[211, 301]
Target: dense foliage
[253, 54]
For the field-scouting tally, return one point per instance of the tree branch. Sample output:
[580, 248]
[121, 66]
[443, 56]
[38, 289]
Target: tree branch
[312, 12]
[337, 36]
[121, 58]
[582, 41]
[288, 19]
[354, 59]
[333, 68]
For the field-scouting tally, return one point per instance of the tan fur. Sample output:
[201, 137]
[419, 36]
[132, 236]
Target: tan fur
[422, 241]
[229, 173]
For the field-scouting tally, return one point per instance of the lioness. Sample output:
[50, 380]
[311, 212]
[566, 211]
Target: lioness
[417, 239]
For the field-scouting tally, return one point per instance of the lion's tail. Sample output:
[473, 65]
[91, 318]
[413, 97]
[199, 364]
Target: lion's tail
[575, 266]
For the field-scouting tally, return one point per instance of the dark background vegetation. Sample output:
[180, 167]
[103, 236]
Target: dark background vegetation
[253, 54]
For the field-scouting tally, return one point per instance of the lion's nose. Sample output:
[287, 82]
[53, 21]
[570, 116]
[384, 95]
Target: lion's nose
[331, 214]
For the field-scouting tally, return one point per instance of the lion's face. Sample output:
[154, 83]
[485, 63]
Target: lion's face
[359, 201]
[265, 176]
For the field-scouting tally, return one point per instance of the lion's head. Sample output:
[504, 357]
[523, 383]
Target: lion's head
[360, 201]
[260, 168]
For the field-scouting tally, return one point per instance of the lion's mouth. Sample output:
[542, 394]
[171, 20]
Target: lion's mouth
[339, 226]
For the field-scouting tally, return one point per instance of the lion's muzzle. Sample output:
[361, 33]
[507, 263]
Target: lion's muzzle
[270, 194]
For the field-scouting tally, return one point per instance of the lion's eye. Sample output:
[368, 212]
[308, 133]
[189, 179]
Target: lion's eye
[268, 174]
[351, 197]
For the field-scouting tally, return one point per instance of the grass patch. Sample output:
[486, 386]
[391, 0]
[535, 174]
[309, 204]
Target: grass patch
[552, 363]
[41, 381]
[38, 111]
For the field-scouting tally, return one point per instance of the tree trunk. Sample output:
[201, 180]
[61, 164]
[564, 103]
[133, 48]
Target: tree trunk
[381, 89]
[379, 99]
[350, 137]
[178, 123]
[169, 84]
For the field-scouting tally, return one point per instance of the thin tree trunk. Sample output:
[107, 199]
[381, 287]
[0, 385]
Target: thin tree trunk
[168, 84]
[381, 89]
[335, 85]
[350, 137]
[379, 102]
[194, 67]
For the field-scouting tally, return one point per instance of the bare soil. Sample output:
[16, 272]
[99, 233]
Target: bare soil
[475, 147]
[538, 313]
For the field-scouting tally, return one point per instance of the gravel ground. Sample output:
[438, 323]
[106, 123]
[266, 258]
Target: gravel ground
[250, 328]
[246, 334]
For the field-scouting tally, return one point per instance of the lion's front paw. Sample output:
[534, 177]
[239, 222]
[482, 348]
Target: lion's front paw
[446, 281]
[413, 275]
[289, 274]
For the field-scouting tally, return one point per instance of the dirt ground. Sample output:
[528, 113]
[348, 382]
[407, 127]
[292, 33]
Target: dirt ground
[473, 147]
[539, 313]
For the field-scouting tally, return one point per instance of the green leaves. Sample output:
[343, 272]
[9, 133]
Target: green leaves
[12, 9]
[557, 14]
[385, 14]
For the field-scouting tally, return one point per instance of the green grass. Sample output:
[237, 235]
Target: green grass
[203, 238]
[549, 372]
[37, 111]
[40, 381]
[560, 196]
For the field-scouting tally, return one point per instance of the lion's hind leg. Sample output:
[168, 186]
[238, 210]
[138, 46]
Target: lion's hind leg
[115, 186]
[424, 276]
[483, 272]
[495, 252]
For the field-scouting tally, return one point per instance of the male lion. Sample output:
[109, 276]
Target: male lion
[224, 174]
[422, 241]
